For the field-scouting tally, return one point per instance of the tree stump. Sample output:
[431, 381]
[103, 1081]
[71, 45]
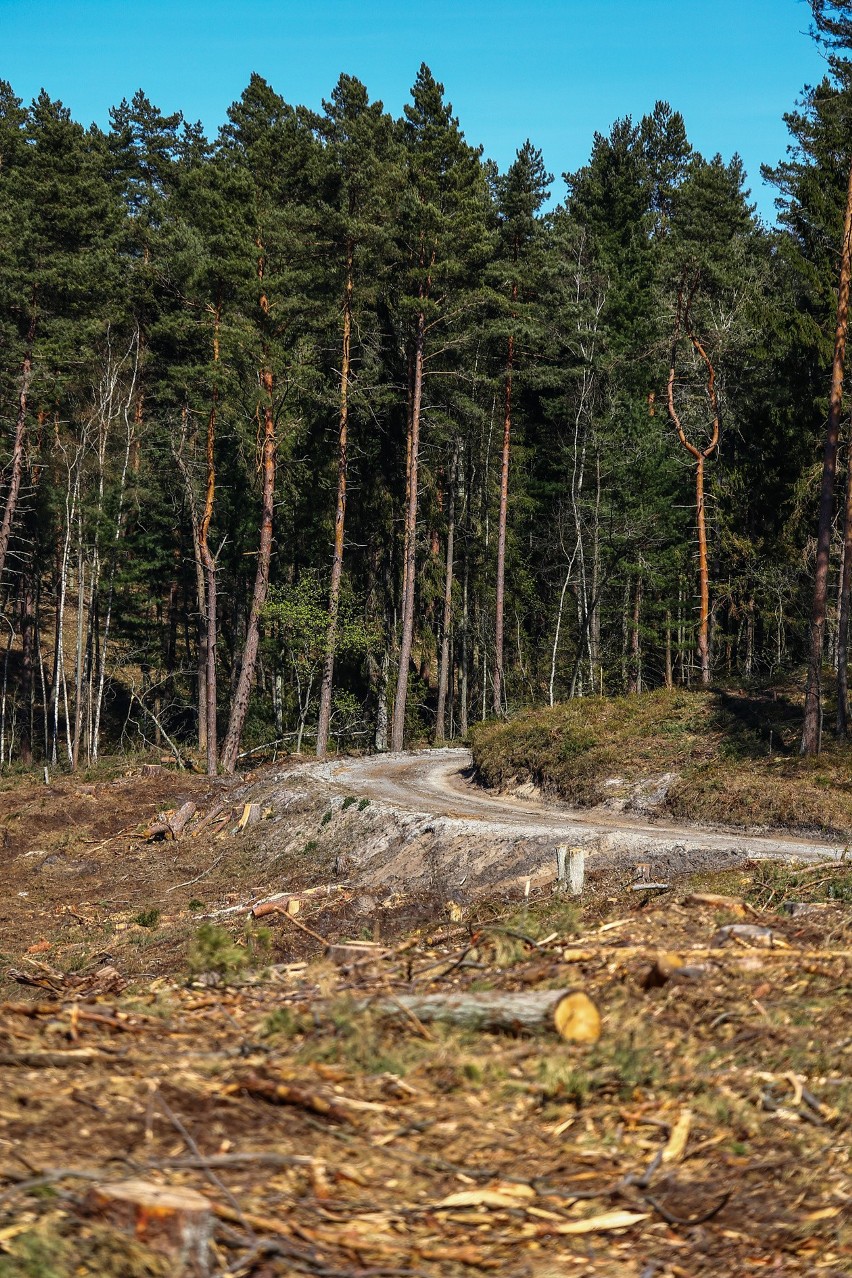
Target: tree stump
[570, 869]
[177, 1223]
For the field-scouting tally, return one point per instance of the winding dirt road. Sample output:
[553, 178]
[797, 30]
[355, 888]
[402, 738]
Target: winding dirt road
[434, 783]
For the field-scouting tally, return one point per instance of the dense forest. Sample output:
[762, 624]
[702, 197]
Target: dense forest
[328, 433]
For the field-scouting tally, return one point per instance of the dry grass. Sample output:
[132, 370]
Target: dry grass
[734, 755]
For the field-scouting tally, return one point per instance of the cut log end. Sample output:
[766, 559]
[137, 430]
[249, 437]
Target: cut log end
[577, 1019]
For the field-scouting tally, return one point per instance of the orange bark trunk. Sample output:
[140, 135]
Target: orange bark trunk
[813, 693]
[701, 455]
[209, 564]
[501, 531]
[406, 639]
[324, 721]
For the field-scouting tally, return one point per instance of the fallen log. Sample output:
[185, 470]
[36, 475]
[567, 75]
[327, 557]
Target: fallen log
[173, 1222]
[171, 825]
[571, 1014]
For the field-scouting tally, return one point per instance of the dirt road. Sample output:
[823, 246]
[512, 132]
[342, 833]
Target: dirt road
[434, 783]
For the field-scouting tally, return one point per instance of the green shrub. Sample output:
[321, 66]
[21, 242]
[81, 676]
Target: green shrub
[213, 949]
[148, 918]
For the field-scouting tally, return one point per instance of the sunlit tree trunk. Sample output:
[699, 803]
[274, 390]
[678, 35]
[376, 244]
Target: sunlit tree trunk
[27, 653]
[407, 635]
[17, 449]
[239, 708]
[700, 455]
[209, 565]
[444, 674]
[498, 692]
[813, 691]
[339, 519]
[843, 612]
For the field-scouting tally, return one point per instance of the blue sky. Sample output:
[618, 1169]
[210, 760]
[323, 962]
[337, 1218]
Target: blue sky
[551, 70]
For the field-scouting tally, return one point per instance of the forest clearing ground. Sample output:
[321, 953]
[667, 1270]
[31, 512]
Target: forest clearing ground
[139, 1044]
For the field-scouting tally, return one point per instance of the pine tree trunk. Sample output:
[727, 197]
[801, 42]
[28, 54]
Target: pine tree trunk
[501, 533]
[339, 520]
[201, 664]
[813, 692]
[842, 725]
[239, 709]
[700, 455]
[407, 636]
[703, 575]
[209, 566]
[464, 660]
[595, 614]
[444, 675]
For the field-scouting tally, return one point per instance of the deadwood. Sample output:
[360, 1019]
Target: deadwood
[570, 1014]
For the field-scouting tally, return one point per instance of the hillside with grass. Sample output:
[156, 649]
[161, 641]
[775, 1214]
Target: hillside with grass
[717, 756]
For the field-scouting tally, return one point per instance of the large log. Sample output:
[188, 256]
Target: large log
[572, 1015]
[177, 1223]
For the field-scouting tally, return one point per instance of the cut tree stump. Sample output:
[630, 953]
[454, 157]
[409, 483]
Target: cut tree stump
[358, 953]
[570, 869]
[252, 813]
[571, 1014]
[177, 1223]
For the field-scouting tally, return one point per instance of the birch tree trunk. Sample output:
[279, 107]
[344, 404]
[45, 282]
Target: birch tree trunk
[17, 450]
[78, 656]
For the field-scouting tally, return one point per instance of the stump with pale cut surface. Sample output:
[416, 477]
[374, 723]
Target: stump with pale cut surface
[177, 1223]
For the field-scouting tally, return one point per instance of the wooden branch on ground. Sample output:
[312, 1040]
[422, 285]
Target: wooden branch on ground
[289, 1094]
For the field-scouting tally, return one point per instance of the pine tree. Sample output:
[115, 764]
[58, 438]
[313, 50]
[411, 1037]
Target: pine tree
[364, 156]
[520, 194]
[443, 235]
[275, 147]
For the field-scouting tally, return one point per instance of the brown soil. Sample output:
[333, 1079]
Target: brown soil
[132, 1045]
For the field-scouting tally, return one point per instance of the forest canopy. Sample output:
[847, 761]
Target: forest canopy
[327, 431]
